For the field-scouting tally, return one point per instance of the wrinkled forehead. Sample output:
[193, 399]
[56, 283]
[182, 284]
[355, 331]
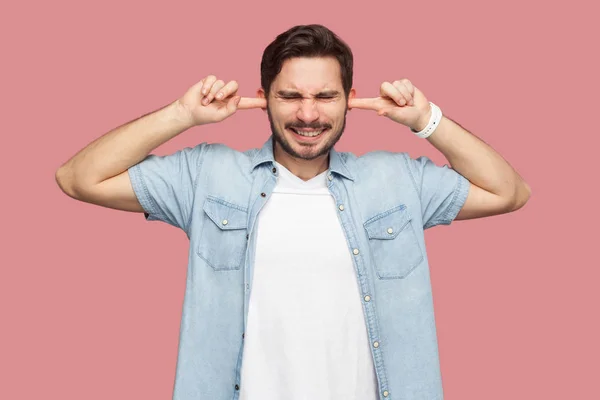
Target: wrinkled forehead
[309, 75]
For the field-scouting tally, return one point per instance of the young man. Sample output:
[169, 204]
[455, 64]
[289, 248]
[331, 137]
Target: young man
[308, 276]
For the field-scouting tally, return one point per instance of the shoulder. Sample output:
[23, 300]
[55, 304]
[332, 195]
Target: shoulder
[414, 166]
[379, 160]
[375, 156]
[223, 153]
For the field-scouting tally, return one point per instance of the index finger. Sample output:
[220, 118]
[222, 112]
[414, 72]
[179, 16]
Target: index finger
[247, 103]
[365, 104]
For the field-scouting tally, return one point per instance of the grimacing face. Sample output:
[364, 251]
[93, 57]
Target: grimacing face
[307, 106]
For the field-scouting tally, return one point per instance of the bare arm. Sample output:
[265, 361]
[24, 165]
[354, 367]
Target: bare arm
[495, 186]
[98, 173]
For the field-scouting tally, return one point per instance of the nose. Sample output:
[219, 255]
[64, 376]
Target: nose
[308, 111]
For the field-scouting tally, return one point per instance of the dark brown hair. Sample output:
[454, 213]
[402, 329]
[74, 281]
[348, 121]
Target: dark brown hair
[305, 41]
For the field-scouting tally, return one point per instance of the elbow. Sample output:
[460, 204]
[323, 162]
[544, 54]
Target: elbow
[64, 181]
[521, 196]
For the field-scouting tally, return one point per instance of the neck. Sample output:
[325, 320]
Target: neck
[303, 169]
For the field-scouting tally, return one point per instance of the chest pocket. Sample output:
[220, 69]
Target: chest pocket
[223, 242]
[393, 242]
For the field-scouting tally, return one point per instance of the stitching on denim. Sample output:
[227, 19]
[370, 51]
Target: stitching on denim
[226, 203]
[384, 214]
[213, 266]
[457, 192]
[195, 186]
[345, 165]
[412, 176]
[139, 176]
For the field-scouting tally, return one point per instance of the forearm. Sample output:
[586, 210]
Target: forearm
[478, 162]
[122, 147]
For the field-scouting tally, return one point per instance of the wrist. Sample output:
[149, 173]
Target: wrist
[422, 122]
[434, 117]
[182, 114]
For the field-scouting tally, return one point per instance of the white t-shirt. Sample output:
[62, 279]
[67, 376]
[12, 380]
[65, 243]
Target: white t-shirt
[306, 336]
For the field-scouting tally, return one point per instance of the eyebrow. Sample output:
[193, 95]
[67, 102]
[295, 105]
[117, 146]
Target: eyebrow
[294, 93]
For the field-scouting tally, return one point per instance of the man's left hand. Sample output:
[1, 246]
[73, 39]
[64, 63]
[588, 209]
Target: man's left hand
[400, 101]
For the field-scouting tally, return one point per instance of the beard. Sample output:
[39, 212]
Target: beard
[279, 137]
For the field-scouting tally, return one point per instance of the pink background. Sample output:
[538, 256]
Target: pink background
[91, 298]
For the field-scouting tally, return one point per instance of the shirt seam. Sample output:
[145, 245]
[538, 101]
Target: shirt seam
[458, 198]
[460, 195]
[194, 187]
[412, 176]
[145, 199]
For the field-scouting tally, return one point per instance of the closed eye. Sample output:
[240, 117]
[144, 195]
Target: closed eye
[320, 96]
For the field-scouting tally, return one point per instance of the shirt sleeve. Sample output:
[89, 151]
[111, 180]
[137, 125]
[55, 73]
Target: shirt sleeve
[442, 190]
[165, 185]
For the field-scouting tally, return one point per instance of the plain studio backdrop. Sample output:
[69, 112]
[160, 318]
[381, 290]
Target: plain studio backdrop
[90, 298]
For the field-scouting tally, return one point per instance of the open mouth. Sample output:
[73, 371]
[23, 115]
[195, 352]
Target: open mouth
[308, 134]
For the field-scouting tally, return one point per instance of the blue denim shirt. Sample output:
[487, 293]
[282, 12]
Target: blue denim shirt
[215, 193]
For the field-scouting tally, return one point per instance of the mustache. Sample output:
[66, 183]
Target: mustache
[312, 125]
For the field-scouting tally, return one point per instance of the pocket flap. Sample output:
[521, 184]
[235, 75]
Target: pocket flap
[226, 216]
[388, 224]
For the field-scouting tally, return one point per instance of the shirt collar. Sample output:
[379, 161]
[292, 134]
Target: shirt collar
[336, 162]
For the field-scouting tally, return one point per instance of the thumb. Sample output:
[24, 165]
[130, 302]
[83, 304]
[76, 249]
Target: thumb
[232, 104]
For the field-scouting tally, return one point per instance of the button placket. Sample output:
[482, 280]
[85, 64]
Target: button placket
[372, 330]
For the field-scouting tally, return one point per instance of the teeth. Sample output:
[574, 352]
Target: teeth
[309, 133]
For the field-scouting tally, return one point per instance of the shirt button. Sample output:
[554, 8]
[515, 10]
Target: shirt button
[376, 344]
[263, 194]
[330, 177]
[367, 298]
[237, 387]
[274, 170]
[225, 222]
[386, 393]
[390, 231]
[341, 207]
[355, 251]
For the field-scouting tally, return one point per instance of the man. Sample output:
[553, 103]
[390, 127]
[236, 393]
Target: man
[308, 276]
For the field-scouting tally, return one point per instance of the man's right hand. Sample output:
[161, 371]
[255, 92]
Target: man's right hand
[211, 100]
[98, 174]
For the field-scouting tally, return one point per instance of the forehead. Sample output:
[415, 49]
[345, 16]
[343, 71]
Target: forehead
[309, 75]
